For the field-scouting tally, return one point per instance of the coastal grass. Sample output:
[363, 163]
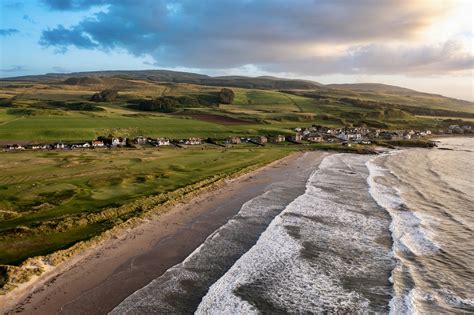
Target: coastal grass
[51, 200]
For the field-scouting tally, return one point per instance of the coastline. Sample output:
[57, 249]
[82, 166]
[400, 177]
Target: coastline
[170, 235]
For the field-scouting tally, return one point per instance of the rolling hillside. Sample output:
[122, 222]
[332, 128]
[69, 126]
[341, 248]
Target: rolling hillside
[59, 107]
[364, 91]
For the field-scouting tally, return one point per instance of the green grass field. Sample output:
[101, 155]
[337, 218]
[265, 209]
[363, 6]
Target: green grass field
[48, 199]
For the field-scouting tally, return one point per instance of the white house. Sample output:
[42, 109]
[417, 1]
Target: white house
[119, 142]
[193, 141]
[97, 143]
[163, 141]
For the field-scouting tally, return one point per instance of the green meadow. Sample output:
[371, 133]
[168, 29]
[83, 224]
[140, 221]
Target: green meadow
[50, 200]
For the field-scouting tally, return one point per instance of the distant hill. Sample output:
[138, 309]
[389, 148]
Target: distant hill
[176, 77]
[399, 95]
[373, 87]
[83, 81]
[126, 79]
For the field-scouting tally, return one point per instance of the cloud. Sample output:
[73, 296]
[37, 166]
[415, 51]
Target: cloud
[73, 5]
[325, 36]
[15, 68]
[441, 58]
[13, 5]
[28, 18]
[8, 31]
[62, 37]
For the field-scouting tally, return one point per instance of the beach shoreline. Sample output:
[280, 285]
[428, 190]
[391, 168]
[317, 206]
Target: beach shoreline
[102, 276]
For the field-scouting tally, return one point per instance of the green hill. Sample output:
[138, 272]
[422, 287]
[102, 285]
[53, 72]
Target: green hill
[177, 104]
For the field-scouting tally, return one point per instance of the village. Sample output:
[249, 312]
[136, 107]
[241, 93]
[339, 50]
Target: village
[301, 135]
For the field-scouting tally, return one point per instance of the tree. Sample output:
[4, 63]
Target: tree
[161, 104]
[226, 96]
[105, 96]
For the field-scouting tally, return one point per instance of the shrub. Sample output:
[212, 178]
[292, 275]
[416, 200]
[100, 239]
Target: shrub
[6, 102]
[105, 96]
[82, 106]
[161, 104]
[21, 111]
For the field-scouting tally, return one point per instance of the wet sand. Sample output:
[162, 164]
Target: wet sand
[100, 278]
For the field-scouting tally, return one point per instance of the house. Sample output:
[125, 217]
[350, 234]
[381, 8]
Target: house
[233, 140]
[373, 134]
[391, 135]
[343, 136]
[16, 147]
[162, 141]
[80, 145]
[97, 143]
[193, 141]
[261, 139]
[297, 137]
[278, 139]
[314, 138]
[119, 142]
[140, 140]
[39, 147]
[455, 129]
[60, 146]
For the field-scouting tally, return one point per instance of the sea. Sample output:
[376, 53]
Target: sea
[388, 234]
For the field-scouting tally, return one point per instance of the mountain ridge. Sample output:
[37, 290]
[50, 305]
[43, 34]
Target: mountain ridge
[237, 81]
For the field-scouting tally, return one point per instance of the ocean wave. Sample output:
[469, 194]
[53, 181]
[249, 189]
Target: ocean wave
[321, 254]
[407, 228]
[181, 288]
[410, 239]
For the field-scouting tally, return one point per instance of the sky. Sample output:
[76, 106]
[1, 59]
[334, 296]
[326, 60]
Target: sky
[426, 45]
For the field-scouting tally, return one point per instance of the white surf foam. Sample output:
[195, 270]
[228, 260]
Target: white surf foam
[274, 270]
[408, 235]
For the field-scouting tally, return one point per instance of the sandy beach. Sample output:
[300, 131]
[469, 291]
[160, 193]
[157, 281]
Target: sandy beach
[97, 280]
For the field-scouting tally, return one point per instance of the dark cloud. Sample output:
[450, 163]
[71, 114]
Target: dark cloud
[8, 31]
[271, 34]
[73, 5]
[62, 37]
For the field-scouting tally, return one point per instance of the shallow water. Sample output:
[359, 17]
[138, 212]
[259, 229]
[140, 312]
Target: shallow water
[430, 197]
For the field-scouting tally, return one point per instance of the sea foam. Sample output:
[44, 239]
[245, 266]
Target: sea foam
[408, 235]
[320, 254]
